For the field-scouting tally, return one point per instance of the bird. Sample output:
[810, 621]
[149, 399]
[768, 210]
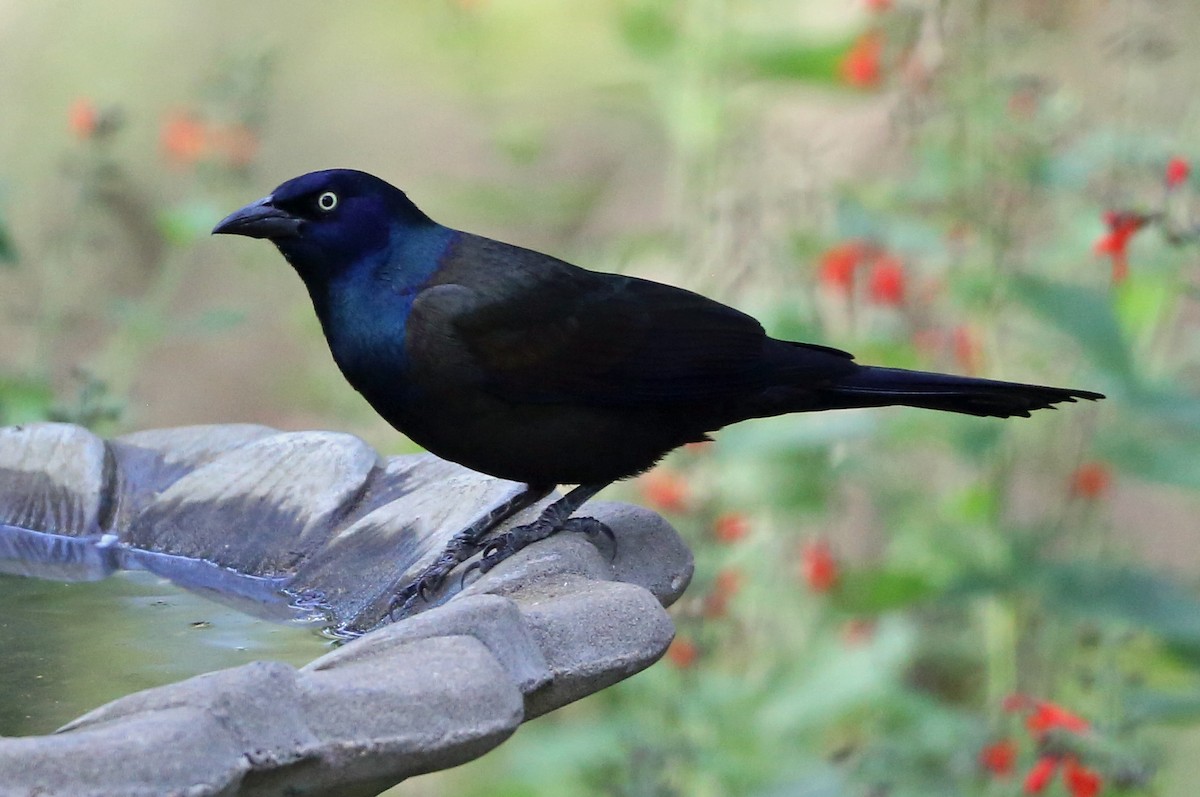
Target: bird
[525, 367]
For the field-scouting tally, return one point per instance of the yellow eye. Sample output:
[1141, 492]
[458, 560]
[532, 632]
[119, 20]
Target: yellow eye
[327, 201]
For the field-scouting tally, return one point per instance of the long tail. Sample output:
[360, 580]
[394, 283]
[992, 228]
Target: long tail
[872, 386]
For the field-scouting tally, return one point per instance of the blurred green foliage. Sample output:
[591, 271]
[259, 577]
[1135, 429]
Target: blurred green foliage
[870, 586]
[8, 253]
[988, 565]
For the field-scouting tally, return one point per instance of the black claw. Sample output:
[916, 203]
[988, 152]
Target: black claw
[421, 589]
[402, 601]
[592, 527]
[468, 570]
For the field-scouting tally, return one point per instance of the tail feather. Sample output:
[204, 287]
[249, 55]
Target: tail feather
[872, 386]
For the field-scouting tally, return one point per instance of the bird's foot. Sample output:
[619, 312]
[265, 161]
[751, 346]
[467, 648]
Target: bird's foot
[428, 581]
[461, 547]
[514, 540]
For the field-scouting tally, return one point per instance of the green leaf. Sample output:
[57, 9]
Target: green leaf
[24, 400]
[839, 681]
[8, 252]
[1170, 406]
[973, 439]
[1151, 705]
[1142, 302]
[1154, 454]
[876, 591]
[1086, 314]
[976, 504]
[790, 59]
[648, 30]
[1136, 597]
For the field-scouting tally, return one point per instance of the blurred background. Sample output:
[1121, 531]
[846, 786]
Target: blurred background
[886, 602]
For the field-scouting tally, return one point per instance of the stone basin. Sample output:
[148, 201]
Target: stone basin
[317, 525]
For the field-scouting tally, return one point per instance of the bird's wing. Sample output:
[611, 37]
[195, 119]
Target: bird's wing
[541, 330]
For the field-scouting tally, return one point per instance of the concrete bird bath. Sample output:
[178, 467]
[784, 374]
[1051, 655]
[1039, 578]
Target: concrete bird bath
[316, 524]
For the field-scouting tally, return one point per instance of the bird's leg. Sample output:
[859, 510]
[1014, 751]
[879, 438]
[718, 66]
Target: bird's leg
[555, 518]
[461, 547]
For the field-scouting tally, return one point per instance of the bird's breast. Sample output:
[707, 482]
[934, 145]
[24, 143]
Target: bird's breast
[367, 340]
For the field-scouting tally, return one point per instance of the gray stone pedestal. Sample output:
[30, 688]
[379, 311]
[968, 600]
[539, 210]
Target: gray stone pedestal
[283, 524]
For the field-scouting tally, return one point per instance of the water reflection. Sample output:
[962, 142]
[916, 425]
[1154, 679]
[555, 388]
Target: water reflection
[66, 648]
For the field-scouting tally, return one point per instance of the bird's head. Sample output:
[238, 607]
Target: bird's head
[327, 221]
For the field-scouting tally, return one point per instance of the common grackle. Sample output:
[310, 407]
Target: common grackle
[522, 366]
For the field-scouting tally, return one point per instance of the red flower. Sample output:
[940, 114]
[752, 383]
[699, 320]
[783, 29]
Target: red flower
[1081, 781]
[838, 265]
[184, 139]
[818, 567]
[665, 490]
[1041, 774]
[682, 653]
[1091, 480]
[999, 758]
[886, 285]
[731, 527]
[1044, 717]
[83, 119]
[1122, 226]
[1177, 173]
[879, 6]
[1047, 717]
[861, 64]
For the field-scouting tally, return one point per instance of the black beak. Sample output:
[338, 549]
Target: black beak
[259, 219]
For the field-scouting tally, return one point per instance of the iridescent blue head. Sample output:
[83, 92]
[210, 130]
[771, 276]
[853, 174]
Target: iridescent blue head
[329, 221]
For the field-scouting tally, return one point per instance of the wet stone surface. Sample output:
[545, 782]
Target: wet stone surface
[258, 517]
